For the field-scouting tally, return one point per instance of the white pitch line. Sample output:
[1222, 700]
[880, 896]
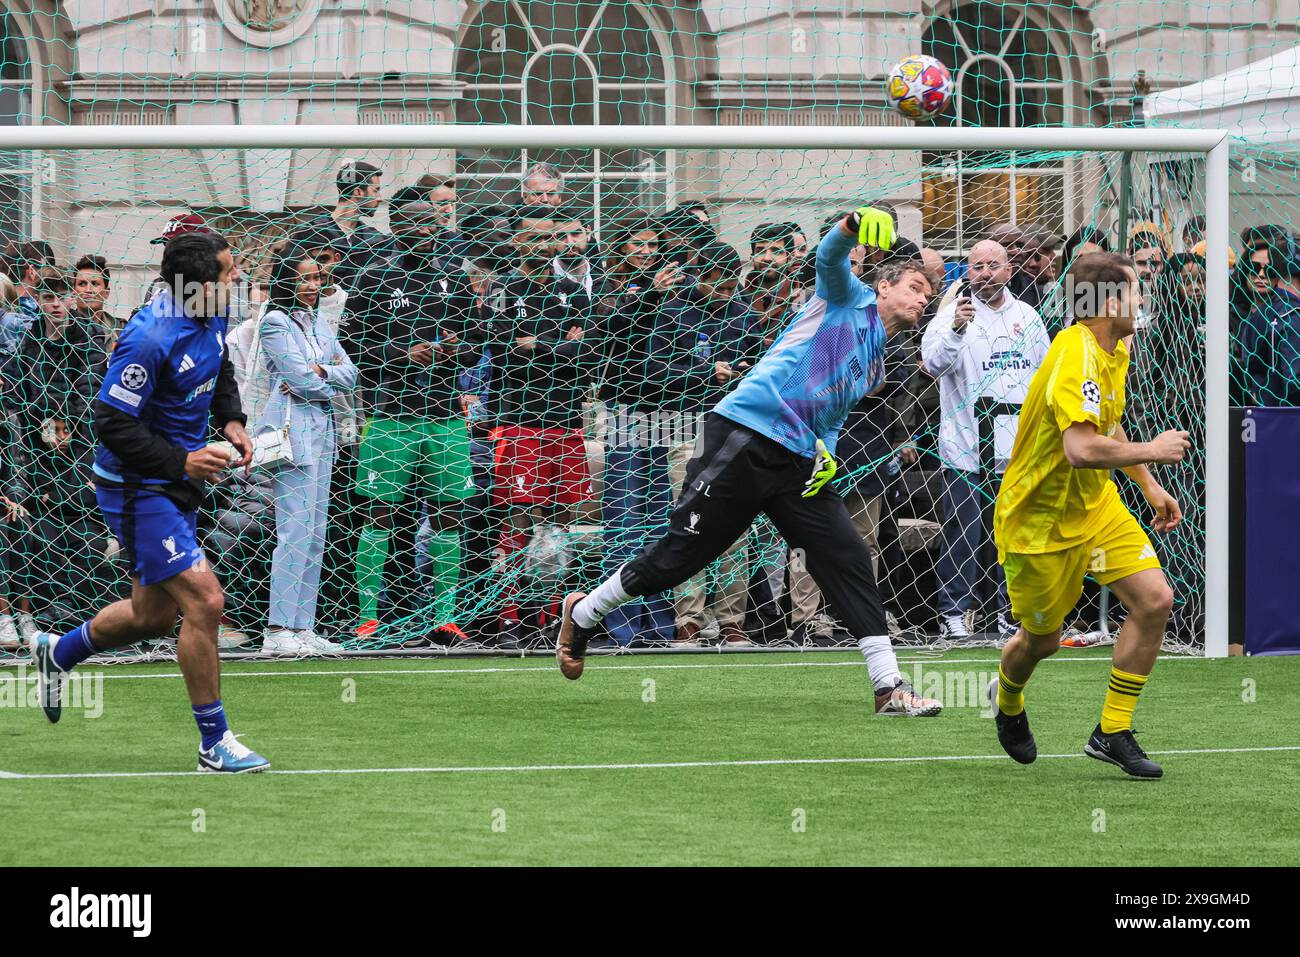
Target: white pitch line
[648, 766]
[548, 669]
[9, 774]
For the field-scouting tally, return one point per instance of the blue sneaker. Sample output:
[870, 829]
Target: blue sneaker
[229, 756]
[49, 677]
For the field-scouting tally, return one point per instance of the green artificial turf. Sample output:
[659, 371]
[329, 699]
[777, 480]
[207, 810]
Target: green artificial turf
[1211, 808]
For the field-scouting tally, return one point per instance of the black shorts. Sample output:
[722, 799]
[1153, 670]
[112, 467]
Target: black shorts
[737, 475]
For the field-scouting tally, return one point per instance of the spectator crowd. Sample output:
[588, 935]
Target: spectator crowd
[457, 417]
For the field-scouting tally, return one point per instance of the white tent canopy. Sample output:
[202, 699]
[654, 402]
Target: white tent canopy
[1259, 102]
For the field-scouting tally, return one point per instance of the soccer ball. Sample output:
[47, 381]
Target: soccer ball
[919, 87]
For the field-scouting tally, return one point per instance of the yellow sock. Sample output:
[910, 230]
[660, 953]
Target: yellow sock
[1121, 701]
[1011, 698]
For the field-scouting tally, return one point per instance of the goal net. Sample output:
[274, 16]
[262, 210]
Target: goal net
[539, 320]
[571, 354]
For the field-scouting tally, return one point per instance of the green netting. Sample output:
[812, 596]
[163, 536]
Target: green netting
[630, 393]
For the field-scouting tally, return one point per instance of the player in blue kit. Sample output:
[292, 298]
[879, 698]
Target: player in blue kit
[769, 447]
[167, 378]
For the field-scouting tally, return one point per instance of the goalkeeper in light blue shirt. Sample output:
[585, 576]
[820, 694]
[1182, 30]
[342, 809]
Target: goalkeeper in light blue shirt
[769, 447]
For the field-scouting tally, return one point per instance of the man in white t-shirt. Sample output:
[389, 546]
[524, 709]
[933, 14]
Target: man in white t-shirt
[986, 344]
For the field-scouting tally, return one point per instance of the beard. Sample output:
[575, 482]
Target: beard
[416, 242]
[417, 245]
[537, 261]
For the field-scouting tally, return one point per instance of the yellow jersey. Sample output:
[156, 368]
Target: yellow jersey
[1045, 504]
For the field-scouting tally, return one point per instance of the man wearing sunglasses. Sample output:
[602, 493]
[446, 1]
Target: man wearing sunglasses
[1269, 337]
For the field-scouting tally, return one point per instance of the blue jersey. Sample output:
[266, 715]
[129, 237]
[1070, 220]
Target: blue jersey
[826, 360]
[163, 371]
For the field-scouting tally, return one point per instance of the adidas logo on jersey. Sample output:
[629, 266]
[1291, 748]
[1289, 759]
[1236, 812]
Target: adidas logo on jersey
[186, 363]
[1147, 552]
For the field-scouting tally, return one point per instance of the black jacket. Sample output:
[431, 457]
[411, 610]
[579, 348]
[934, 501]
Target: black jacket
[873, 430]
[689, 338]
[56, 381]
[396, 305]
[13, 456]
[625, 314]
[542, 385]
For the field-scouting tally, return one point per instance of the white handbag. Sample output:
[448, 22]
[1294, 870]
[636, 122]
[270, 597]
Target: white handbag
[271, 447]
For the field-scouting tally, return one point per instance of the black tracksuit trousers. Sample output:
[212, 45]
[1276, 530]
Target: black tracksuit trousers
[737, 475]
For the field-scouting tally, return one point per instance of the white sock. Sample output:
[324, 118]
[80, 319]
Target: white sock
[882, 663]
[607, 596]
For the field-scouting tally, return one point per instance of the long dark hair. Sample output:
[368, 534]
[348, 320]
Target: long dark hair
[622, 234]
[282, 288]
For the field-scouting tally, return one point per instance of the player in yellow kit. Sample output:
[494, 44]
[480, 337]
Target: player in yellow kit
[1059, 514]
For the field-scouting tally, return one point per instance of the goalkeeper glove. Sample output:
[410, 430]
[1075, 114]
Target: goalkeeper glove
[823, 471]
[874, 227]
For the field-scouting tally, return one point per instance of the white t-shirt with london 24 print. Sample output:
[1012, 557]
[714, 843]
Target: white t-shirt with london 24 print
[998, 355]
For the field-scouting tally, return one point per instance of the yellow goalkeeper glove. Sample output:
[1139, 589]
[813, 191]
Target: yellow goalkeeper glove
[875, 226]
[823, 471]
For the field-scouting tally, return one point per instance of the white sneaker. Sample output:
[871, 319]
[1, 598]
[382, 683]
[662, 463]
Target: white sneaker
[26, 625]
[322, 646]
[284, 643]
[954, 627]
[229, 638]
[10, 640]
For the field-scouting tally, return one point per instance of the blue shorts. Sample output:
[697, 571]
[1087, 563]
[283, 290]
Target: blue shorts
[158, 538]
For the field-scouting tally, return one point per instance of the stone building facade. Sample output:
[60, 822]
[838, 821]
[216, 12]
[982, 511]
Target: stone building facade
[718, 62]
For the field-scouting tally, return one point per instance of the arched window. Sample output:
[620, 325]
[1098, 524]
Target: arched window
[15, 110]
[567, 62]
[1008, 71]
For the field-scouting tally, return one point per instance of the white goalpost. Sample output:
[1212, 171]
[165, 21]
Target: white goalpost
[1212, 145]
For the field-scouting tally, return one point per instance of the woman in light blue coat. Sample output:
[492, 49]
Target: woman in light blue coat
[308, 368]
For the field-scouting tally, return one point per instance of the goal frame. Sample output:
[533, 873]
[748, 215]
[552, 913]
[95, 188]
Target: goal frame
[1214, 144]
